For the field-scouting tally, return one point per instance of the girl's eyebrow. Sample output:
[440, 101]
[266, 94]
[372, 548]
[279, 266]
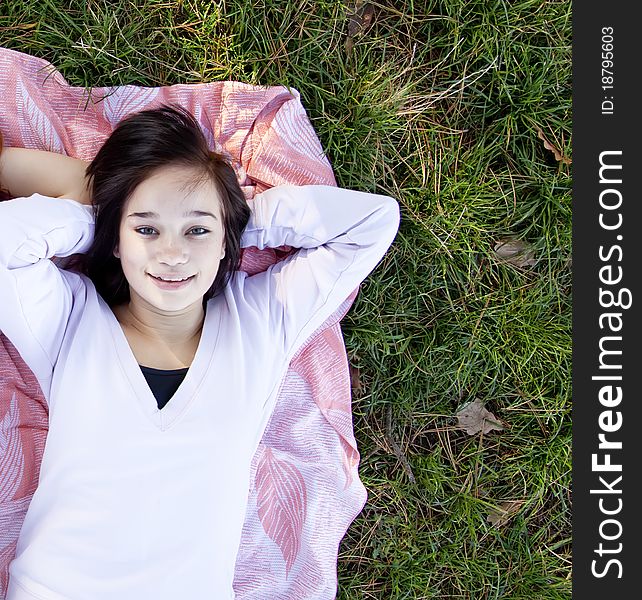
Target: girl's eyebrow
[153, 215]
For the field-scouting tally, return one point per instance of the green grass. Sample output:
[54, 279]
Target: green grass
[438, 103]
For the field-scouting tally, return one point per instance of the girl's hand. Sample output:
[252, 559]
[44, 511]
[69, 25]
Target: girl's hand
[24, 172]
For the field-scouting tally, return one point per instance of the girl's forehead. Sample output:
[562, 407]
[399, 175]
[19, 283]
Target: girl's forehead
[173, 194]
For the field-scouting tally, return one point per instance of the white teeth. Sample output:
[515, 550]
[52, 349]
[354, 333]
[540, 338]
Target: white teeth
[174, 280]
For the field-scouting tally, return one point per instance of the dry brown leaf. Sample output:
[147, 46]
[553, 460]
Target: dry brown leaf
[355, 380]
[554, 149]
[504, 512]
[358, 23]
[475, 418]
[361, 19]
[516, 252]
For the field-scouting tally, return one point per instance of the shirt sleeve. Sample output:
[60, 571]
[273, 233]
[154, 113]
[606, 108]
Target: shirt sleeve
[341, 235]
[35, 297]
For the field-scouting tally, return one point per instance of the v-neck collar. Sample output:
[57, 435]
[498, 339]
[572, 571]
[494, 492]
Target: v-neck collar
[182, 399]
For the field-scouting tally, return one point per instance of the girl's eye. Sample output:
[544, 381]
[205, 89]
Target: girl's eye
[203, 230]
[140, 230]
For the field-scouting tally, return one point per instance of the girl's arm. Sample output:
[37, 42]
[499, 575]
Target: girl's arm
[24, 172]
[341, 235]
[36, 298]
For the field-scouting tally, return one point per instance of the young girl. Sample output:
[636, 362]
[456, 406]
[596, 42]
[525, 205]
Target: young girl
[160, 361]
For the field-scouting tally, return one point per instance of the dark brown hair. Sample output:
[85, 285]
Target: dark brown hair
[141, 144]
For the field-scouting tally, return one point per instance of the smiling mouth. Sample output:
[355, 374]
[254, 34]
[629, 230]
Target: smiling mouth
[171, 280]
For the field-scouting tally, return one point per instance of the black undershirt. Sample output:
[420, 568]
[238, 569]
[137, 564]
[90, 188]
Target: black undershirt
[163, 383]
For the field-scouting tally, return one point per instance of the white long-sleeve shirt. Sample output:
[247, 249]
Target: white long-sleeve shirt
[134, 502]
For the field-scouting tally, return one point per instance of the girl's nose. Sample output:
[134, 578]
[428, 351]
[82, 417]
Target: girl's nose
[172, 251]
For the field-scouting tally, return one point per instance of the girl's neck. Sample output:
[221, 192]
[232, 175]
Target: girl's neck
[180, 329]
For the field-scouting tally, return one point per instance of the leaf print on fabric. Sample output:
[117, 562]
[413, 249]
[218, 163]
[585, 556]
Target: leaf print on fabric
[6, 556]
[36, 129]
[286, 121]
[323, 365]
[11, 453]
[281, 504]
[350, 462]
[125, 100]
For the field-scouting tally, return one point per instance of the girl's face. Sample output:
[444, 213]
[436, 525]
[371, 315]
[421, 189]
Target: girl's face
[171, 232]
